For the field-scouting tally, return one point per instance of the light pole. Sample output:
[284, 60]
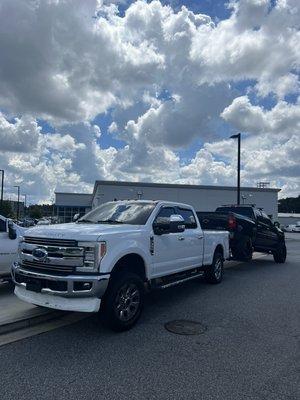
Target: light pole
[2, 183]
[25, 204]
[18, 205]
[238, 137]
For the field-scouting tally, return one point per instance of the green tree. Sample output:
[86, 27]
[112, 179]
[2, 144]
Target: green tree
[289, 205]
[6, 209]
[35, 212]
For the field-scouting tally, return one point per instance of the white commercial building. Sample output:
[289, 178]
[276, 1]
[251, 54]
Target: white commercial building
[202, 197]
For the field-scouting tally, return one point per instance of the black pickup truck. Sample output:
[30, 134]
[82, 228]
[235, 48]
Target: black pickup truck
[250, 229]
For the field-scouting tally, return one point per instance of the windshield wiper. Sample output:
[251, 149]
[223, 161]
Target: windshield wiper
[109, 221]
[85, 221]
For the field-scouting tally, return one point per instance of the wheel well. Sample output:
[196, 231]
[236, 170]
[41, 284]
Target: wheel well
[132, 263]
[219, 249]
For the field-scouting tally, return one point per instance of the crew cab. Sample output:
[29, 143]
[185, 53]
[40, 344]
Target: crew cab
[108, 258]
[250, 229]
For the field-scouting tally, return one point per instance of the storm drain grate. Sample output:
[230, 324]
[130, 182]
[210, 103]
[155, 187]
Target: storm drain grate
[185, 327]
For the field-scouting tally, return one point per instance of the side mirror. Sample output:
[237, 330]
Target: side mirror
[76, 217]
[277, 224]
[176, 223]
[12, 233]
[164, 225]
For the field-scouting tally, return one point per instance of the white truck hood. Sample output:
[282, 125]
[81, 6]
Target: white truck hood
[80, 231]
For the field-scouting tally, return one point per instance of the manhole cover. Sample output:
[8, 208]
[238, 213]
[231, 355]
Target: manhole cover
[185, 327]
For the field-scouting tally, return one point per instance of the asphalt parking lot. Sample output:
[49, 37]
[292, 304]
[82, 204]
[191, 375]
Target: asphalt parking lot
[249, 350]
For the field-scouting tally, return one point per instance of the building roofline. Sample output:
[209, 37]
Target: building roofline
[80, 194]
[177, 185]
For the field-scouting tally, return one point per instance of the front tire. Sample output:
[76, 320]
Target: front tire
[123, 302]
[279, 255]
[214, 273]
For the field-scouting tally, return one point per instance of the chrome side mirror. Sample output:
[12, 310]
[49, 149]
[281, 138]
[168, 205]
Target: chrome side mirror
[76, 217]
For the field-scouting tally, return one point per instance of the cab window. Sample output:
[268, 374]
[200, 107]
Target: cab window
[164, 214]
[189, 218]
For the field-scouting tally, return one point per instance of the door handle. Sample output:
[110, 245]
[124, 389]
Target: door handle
[200, 237]
[181, 238]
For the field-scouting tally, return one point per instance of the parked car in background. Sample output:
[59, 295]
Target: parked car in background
[27, 222]
[250, 229]
[289, 228]
[296, 228]
[9, 240]
[109, 256]
[44, 221]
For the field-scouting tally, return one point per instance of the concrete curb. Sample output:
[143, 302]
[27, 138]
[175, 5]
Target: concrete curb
[25, 321]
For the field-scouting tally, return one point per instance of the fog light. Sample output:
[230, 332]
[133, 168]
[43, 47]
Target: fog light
[82, 286]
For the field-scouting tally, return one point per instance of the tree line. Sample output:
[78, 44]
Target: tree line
[289, 205]
[34, 211]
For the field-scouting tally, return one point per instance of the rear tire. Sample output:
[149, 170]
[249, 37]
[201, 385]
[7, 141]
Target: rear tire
[123, 302]
[280, 254]
[214, 273]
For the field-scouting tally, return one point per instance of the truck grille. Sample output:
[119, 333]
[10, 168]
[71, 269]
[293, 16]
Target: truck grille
[40, 267]
[50, 242]
[62, 256]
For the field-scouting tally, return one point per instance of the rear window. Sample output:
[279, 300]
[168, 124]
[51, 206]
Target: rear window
[246, 211]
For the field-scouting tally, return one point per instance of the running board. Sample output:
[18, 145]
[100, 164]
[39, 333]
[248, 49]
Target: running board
[174, 283]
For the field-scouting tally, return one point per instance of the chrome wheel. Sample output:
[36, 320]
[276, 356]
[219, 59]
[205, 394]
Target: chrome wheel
[218, 268]
[127, 302]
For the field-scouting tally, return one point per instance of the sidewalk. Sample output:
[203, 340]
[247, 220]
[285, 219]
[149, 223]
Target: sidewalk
[16, 314]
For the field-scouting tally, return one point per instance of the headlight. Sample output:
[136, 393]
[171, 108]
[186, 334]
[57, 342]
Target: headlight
[93, 254]
[21, 240]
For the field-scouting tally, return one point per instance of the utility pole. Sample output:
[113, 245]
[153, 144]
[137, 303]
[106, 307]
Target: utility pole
[18, 205]
[25, 204]
[2, 183]
[238, 137]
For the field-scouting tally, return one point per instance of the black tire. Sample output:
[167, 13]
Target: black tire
[244, 252]
[123, 302]
[280, 254]
[214, 273]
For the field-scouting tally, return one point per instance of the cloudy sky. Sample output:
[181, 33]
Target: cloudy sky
[148, 91]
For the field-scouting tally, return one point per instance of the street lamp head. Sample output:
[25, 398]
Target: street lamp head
[235, 136]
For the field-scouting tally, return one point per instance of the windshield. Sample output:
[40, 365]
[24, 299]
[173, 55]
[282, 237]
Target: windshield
[133, 213]
[247, 211]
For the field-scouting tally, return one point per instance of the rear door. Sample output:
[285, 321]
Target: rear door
[193, 238]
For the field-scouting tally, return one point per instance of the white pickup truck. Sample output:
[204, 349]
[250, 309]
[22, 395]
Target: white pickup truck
[109, 257]
[9, 239]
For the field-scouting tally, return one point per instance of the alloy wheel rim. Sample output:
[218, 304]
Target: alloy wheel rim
[127, 302]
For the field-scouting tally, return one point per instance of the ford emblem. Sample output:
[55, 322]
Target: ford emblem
[39, 254]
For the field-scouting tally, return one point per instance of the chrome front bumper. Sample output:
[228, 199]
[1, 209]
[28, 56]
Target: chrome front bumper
[67, 286]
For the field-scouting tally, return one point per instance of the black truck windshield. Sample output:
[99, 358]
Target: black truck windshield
[133, 213]
[246, 211]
